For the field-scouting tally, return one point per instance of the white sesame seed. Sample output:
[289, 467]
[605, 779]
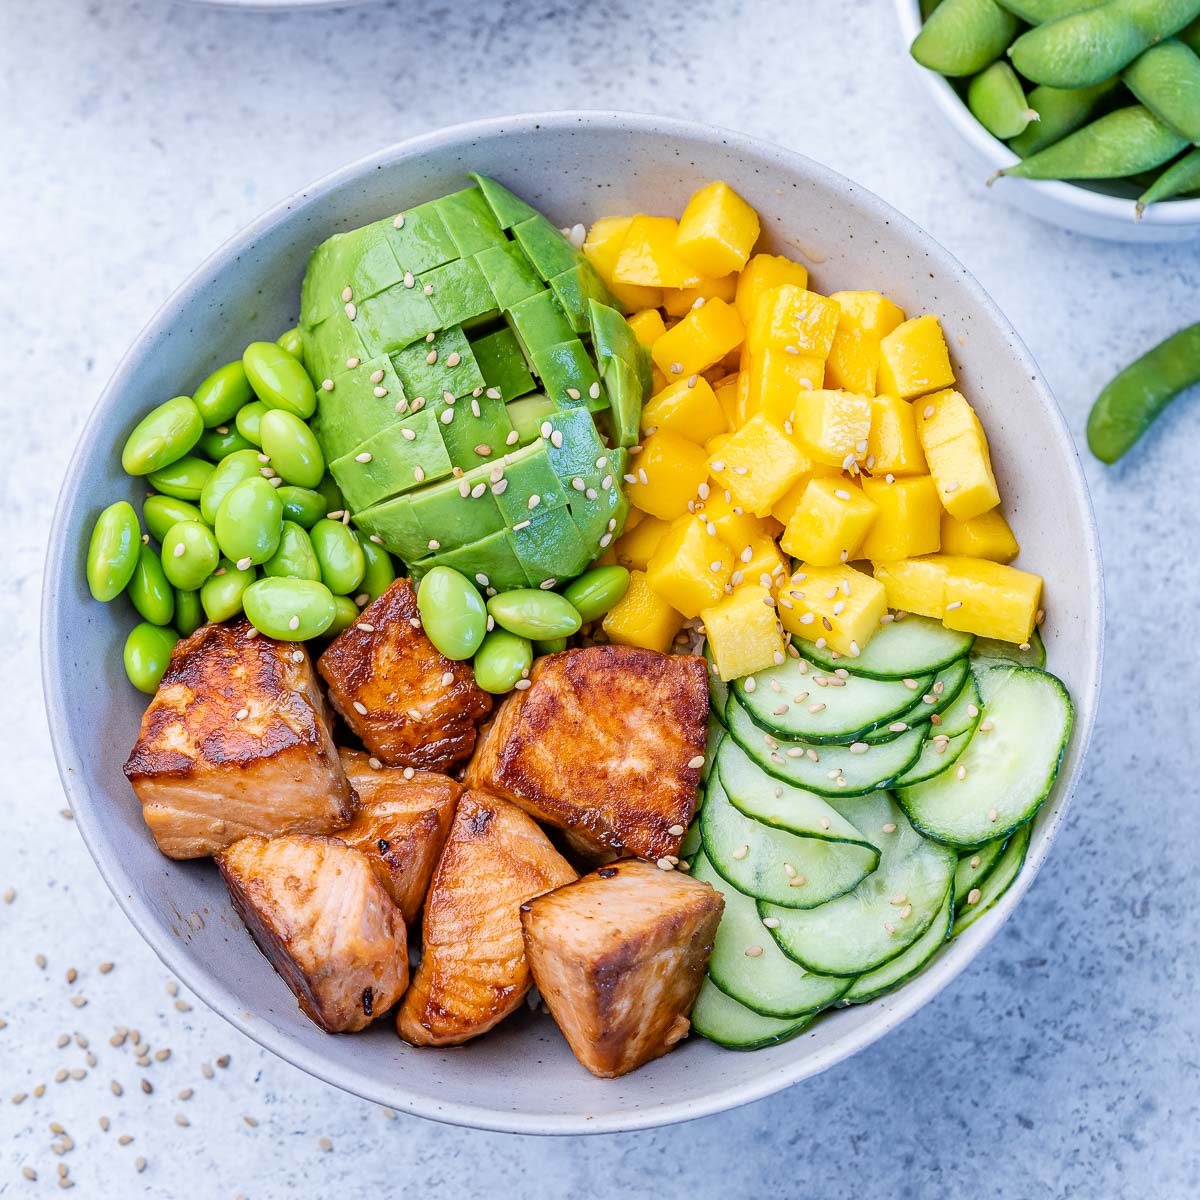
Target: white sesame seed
[741, 852]
[244, 564]
[351, 311]
[522, 685]
[360, 708]
[364, 457]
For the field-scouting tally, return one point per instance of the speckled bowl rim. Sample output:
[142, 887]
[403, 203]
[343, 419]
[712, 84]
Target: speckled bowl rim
[905, 1002]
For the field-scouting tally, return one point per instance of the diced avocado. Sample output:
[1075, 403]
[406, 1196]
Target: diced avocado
[601, 508]
[539, 321]
[352, 412]
[506, 208]
[395, 319]
[612, 338]
[569, 376]
[502, 364]
[444, 515]
[625, 395]
[391, 463]
[460, 295]
[329, 344]
[469, 221]
[453, 368]
[549, 545]
[527, 415]
[395, 524]
[529, 474]
[575, 289]
[550, 252]
[473, 440]
[509, 274]
[375, 269]
[581, 445]
[422, 241]
[492, 558]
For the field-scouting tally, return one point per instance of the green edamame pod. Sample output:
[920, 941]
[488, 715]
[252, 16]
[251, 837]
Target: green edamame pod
[334, 500]
[379, 573]
[294, 558]
[292, 342]
[997, 100]
[502, 660]
[221, 395]
[189, 612]
[1166, 79]
[345, 613]
[161, 512]
[249, 421]
[302, 505]
[1087, 47]
[553, 646]
[149, 591]
[249, 522]
[533, 613]
[1038, 12]
[113, 551]
[229, 472]
[189, 554]
[452, 612]
[1120, 143]
[290, 610]
[163, 436]
[1128, 405]
[1061, 111]
[221, 593]
[278, 380]
[147, 654]
[1177, 180]
[339, 554]
[215, 445]
[184, 479]
[597, 590]
[961, 37]
[292, 448]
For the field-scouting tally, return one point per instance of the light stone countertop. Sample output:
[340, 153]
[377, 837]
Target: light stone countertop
[137, 137]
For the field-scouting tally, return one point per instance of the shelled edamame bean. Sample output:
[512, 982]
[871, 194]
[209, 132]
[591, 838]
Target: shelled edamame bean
[452, 613]
[113, 551]
[502, 661]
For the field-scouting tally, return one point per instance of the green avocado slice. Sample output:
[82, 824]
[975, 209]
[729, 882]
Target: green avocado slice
[460, 293]
[429, 369]
[509, 273]
[549, 545]
[507, 208]
[469, 221]
[502, 364]
[545, 246]
[352, 411]
[490, 562]
[392, 463]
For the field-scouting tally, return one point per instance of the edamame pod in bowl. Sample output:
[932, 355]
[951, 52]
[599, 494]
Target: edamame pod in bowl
[147, 654]
[292, 448]
[229, 472]
[339, 554]
[161, 512]
[502, 661]
[962, 37]
[221, 593]
[184, 479]
[163, 436]
[149, 589]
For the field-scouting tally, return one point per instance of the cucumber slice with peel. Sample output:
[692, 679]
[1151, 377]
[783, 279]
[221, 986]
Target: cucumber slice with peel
[904, 966]
[1007, 868]
[909, 646]
[962, 714]
[936, 757]
[974, 866]
[941, 694]
[987, 650]
[718, 689]
[721, 1019]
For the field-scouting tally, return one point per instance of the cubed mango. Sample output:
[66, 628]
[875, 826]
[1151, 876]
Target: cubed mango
[648, 326]
[648, 257]
[757, 464]
[957, 453]
[763, 272]
[668, 474]
[893, 447]
[774, 378]
[829, 524]
[603, 248]
[678, 302]
[833, 427]
[702, 338]
[913, 359]
[794, 319]
[730, 521]
[985, 536]
[914, 585]
[688, 407]
[690, 567]
[642, 617]
[865, 319]
[635, 546]
[837, 607]
[990, 599]
[743, 633]
[907, 521]
[727, 396]
[760, 562]
[717, 231]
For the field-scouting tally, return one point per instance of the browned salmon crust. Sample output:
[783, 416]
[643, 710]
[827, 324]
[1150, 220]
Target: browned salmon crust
[619, 956]
[236, 741]
[473, 972]
[401, 825]
[385, 678]
[606, 742]
[324, 922]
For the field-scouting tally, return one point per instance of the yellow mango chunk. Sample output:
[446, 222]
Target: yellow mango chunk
[990, 599]
[865, 319]
[648, 256]
[743, 633]
[829, 523]
[635, 546]
[757, 465]
[658, 380]
[957, 452]
[893, 447]
[603, 248]
[687, 407]
[690, 567]
[680, 301]
[913, 359]
[796, 320]
[647, 325]
[702, 338]
[914, 584]
[985, 536]
[730, 521]
[761, 563]
[837, 607]
[945, 416]
[762, 273]
[642, 618]
[774, 378]
[727, 395]
[669, 472]
[833, 427]
[717, 231]
[908, 521]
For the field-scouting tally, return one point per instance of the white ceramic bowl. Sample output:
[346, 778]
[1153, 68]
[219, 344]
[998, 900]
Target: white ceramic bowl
[1099, 210]
[575, 166]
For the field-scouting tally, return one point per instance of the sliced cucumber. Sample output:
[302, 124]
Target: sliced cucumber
[974, 866]
[721, 1019]
[833, 771]
[988, 650]
[771, 864]
[911, 646]
[934, 761]
[957, 717]
[718, 689]
[691, 841]
[941, 695]
[1009, 767]
[904, 966]
[1007, 868]
[886, 912]
[747, 964]
[799, 700]
[716, 731]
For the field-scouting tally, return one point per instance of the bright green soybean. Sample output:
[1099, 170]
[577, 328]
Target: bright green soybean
[250, 522]
[552, 646]
[533, 613]
[345, 613]
[380, 571]
[334, 500]
[113, 551]
[149, 590]
[230, 471]
[339, 555]
[291, 610]
[215, 445]
[221, 395]
[1178, 179]
[452, 612]
[278, 380]
[302, 505]
[997, 100]
[189, 554]
[1087, 47]
[502, 660]
[1166, 79]
[189, 612]
[163, 436]
[249, 421]
[1038, 12]
[184, 479]
[292, 448]
[147, 655]
[292, 342]
[961, 37]
[597, 590]
[1061, 111]
[221, 593]
[161, 512]
[294, 558]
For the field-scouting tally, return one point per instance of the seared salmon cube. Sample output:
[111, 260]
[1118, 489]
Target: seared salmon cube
[410, 705]
[607, 742]
[473, 973]
[324, 922]
[236, 741]
[618, 957]
[401, 825]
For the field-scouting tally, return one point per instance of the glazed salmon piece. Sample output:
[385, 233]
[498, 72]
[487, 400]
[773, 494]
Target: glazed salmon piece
[618, 957]
[236, 741]
[473, 972]
[401, 824]
[607, 742]
[386, 680]
[324, 922]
